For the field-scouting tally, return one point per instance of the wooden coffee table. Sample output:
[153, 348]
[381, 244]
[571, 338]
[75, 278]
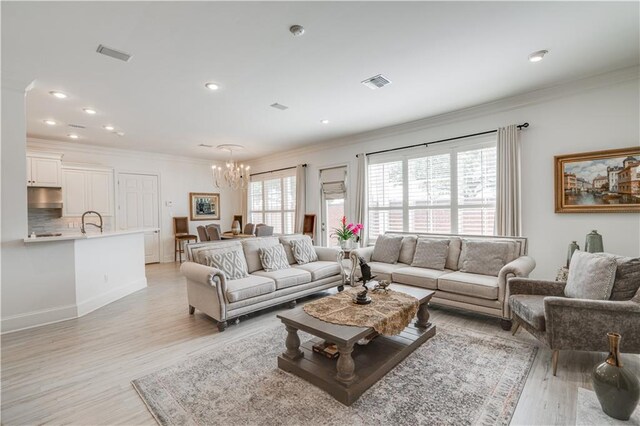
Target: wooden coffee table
[358, 366]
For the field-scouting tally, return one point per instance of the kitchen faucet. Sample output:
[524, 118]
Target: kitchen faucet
[84, 231]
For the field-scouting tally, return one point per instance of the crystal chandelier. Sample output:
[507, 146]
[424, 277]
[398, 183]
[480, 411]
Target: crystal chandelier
[233, 175]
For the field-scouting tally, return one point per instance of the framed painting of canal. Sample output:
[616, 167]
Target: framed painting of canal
[600, 181]
[204, 206]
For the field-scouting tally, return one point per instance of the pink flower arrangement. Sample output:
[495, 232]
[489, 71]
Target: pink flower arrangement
[347, 231]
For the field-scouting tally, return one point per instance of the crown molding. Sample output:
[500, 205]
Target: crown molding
[50, 145]
[545, 94]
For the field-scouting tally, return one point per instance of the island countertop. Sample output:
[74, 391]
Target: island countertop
[92, 235]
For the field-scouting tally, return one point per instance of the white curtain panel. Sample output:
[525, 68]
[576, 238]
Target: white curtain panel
[508, 191]
[361, 197]
[301, 197]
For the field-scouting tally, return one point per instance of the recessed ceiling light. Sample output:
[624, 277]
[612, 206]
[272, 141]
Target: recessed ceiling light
[73, 136]
[58, 95]
[537, 56]
[109, 127]
[212, 86]
[325, 121]
[89, 110]
[50, 122]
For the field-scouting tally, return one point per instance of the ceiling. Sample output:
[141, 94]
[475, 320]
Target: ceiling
[440, 56]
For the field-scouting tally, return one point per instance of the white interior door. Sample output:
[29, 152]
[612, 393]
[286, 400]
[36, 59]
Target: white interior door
[138, 208]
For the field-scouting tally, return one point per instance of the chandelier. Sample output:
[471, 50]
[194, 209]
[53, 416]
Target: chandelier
[233, 175]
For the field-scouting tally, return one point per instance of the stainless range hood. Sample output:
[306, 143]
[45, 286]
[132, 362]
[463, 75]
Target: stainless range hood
[44, 198]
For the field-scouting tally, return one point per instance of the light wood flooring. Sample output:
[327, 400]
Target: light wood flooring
[80, 371]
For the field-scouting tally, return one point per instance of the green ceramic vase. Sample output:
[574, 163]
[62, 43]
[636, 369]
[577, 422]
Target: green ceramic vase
[617, 389]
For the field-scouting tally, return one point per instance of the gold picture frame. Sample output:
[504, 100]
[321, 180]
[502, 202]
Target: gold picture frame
[204, 206]
[598, 182]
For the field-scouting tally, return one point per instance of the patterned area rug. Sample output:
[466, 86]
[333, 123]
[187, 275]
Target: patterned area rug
[458, 377]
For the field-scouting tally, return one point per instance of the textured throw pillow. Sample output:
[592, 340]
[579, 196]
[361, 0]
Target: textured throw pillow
[484, 257]
[431, 254]
[591, 276]
[627, 281]
[407, 249]
[231, 263]
[387, 249]
[455, 245]
[303, 251]
[273, 258]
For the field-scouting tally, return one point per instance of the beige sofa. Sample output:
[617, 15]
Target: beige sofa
[210, 292]
[479, 293]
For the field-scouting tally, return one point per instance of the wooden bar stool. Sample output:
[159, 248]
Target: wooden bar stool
[181, 235]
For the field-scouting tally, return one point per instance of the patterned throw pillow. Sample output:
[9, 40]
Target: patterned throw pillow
[387, 249]
[231, 263]
[591, 276]
[273, 258]
[431, 253]
[303, 251]
[485, 257]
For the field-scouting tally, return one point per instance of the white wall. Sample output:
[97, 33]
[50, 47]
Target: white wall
[592, 114]
[178, 177]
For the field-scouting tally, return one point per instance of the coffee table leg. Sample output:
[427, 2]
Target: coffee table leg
[423, 316]
[292, 343]
[345, 365]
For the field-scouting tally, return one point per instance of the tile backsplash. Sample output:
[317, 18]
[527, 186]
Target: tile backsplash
[42, 221]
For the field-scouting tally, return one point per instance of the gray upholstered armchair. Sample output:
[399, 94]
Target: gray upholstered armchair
[564, 323]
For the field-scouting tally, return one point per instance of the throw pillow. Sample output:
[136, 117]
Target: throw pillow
[387, 249]
[591, 276]
[484, 257]
[303, 251]
[627, 281]
[453, 257]
[232, 263]
[408, 249]
[285, 240]
[273, 258]
[431, 254]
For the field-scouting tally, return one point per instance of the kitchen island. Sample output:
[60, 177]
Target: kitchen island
[72, 275]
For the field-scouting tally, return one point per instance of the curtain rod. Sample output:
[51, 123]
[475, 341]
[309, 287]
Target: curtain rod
[276, 170]
[426, 144]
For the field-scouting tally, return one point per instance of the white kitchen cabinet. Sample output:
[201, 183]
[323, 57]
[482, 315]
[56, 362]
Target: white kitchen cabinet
[44, 170]
[86, 189]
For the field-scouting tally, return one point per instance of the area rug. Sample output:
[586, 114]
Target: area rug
[458, 377]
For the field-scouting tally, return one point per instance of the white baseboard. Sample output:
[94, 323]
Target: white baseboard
[63, 313]
[38, 318]
[90, 305]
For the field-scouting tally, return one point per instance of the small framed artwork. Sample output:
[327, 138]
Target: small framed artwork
[204, 206]
[600, 181]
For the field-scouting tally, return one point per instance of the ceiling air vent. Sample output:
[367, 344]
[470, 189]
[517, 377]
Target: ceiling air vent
[376, 82]
[279, 106]
[204, 145]
[77, 126]
[116, 54]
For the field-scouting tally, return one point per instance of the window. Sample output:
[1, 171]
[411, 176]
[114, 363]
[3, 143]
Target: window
[272, 201]
[451, 190]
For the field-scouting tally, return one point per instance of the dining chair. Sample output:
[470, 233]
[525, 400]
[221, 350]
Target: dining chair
[213, 232]
[264, 231]
[249, 229]
[202, 233]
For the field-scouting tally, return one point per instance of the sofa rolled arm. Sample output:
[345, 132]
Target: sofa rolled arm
[328, 254]
[364, 252]
[203, 274]
[583, 324]
[520, 267]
